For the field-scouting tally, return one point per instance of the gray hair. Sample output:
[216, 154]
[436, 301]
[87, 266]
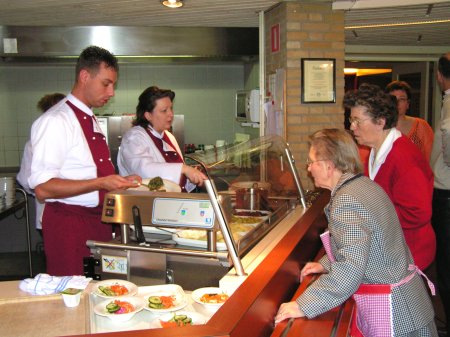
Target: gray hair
[339, 147]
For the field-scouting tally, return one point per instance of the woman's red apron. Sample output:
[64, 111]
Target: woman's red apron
[169, 156]
[67, 227]
[372, 316]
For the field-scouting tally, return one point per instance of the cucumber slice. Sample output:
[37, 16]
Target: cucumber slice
[155, 305]
[179, 317]
[155, 300]
[107, 291]
[112, 307]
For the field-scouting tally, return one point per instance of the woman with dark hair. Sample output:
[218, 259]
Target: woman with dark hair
[416, 129]
[366, 253]
[397, 165]
[149, 149]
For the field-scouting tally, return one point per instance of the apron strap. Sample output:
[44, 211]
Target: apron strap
[416, 269]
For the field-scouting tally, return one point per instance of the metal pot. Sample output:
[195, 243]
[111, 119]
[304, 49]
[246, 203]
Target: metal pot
[253, 198]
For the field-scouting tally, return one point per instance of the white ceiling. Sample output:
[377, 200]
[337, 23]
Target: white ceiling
[237, 13]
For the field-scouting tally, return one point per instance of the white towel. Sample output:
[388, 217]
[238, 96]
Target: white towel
[44, 284]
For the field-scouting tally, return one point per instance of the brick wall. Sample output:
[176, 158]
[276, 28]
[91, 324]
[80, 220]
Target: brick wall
[307, 30]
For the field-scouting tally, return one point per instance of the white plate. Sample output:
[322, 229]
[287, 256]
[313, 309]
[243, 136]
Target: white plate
[179, 303]
[170, 186]
[197, 318]
[198, 293]
[137, 302]
[132, 288]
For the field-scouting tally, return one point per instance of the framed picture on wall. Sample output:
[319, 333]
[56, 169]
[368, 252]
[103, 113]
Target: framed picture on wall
[318, 80]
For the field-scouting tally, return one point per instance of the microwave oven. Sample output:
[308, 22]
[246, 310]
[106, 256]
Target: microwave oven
[247, 106]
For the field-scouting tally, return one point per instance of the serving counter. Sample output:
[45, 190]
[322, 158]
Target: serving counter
[248, 312]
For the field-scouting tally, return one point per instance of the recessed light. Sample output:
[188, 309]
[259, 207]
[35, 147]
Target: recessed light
[172, 3]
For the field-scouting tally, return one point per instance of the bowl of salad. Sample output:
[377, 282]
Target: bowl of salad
[210, 297]
[120, 309]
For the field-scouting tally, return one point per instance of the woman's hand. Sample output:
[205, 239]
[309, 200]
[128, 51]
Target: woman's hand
[194, 175]
[311, 268]
[288, 310]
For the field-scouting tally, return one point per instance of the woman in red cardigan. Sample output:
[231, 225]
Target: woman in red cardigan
[397, 165]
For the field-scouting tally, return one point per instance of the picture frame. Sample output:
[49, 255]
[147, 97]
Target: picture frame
[318, 80]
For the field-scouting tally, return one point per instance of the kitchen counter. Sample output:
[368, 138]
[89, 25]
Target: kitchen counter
[22, 314]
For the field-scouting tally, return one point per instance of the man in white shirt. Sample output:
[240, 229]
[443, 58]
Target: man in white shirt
[440, 162]
[71, 167]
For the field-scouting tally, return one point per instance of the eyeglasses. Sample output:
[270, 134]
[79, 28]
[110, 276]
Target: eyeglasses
[356, 121]
[310, 162]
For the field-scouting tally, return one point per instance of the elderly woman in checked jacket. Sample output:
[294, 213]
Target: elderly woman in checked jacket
[366, 251]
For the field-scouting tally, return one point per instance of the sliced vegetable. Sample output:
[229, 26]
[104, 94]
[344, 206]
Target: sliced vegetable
[176, 321]
[107, 291]
[119, 307]
[114, 290]
[112, 307]
[71, 291]
[161, 302]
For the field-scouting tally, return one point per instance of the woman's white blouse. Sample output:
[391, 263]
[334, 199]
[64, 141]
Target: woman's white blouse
[139, 155]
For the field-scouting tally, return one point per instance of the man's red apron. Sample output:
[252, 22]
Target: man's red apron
[66, 228]
[169, 156]
[372, 316]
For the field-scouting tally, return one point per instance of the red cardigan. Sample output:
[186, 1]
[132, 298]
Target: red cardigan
[408, 180]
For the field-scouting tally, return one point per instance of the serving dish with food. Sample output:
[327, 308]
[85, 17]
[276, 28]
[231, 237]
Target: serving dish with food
[164, 298]
[157, 184]
[120, 309]
[178, 319]
[210, 296]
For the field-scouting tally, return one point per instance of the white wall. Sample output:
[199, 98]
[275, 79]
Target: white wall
[204, 95]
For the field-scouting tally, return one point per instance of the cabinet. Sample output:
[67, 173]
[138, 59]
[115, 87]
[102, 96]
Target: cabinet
[18, 204]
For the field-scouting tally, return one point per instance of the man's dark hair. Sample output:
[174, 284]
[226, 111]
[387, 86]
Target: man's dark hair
[444, 66]
[91, 58]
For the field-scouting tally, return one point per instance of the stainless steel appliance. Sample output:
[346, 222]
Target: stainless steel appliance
[115, 126]
[195, 239]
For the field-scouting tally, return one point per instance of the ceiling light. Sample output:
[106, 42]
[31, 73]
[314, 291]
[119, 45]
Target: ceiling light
[381, 25]
[172, 3]
[365, 72]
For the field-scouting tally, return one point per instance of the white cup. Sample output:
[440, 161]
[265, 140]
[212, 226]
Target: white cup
[72, 300]
[8, 189]
[220, 143]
